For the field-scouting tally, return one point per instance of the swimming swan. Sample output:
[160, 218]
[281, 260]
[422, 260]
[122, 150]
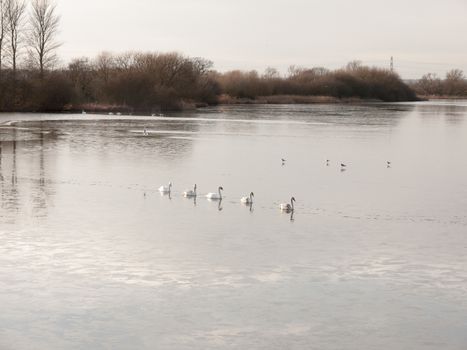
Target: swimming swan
[288, 207]
[215, 196]
[248, 200]
[190, 193]
[165, 189]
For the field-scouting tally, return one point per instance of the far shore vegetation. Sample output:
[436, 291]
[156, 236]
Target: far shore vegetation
[454, 85]
[33, 80]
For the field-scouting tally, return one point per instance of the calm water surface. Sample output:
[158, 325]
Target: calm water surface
[93, 257]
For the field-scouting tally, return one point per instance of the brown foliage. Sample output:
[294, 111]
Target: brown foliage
[454, 84]
[150, 82]
[353, 81]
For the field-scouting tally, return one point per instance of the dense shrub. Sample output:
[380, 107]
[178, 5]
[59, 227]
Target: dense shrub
[454, 84]
[150, 82]
[132, 81]
[353, 81]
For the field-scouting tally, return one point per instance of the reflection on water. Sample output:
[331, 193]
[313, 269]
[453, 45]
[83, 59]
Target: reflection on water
[26, 192]
[92, 256]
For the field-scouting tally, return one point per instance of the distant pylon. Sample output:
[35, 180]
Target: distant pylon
[392, 64]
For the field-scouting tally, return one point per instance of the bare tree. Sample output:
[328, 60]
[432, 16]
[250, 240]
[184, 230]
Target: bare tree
[353, 66]
[104, 64]
[430, 84]
[15, 10]
[455, 83]
[3, 29]
[455, 75]
[295, 71]
[42, 42]
[271, 73]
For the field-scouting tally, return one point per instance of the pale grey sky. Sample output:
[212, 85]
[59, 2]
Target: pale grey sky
[422, 35]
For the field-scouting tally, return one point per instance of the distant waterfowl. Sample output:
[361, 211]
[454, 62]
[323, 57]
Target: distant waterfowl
[145, 132]
[288, 207]
[248, 199]
[83, 112]
[215, 196]
[190, 193]
[165, 189]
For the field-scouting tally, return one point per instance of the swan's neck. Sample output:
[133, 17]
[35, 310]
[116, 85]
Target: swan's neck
[220, 193]
[291, 202]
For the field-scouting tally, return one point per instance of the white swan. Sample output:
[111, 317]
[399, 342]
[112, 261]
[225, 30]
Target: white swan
[190, 193]
[165, 189]
[288, 207]
[248, 199]
[215, 196]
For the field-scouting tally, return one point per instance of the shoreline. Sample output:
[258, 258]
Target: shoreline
[291, 99]
[441, 97]
[224, 100]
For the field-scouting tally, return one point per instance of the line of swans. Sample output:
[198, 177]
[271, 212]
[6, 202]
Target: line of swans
[247, 200]
[217, 196]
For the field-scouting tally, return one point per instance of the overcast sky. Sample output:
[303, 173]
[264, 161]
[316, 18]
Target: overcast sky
[422, 35]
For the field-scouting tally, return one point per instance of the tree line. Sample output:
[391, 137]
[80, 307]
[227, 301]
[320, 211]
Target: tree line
[30, 29]
[453, 85]
[352, 81]
[32, 79]
[152, 82]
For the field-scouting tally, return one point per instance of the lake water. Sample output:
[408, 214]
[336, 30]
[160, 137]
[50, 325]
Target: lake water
[93, 257]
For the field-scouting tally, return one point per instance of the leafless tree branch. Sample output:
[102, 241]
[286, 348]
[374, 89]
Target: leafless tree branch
[14, 15]
[44, 25]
